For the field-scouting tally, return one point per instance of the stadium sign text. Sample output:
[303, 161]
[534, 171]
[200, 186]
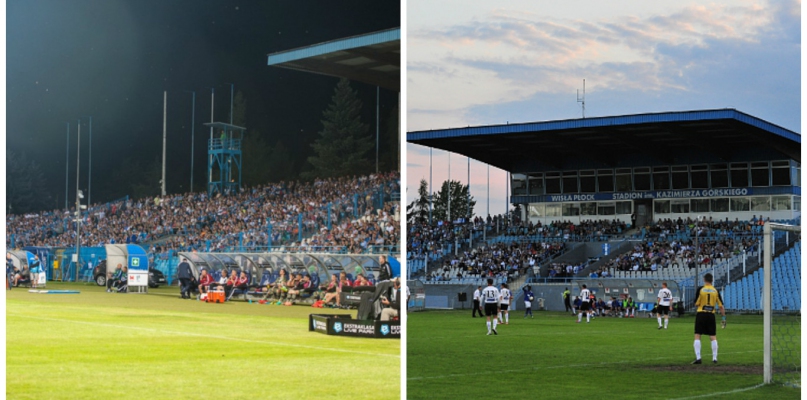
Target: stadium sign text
[659, 194]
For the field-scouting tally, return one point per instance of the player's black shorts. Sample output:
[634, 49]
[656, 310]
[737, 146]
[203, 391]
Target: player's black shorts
[663, 310]
[585, 306]
[491, 309]
[503, 306]
[705, 324]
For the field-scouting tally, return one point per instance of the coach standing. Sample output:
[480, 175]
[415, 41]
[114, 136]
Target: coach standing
[384, 269]
[477, 304]
[184, 275]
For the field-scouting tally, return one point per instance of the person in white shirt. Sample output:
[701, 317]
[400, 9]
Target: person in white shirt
[505, 297]
[664, 305]
[477, 304]
[490, 295]
[585, 305]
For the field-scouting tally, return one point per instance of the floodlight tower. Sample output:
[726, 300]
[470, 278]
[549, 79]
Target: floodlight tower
[224, 158]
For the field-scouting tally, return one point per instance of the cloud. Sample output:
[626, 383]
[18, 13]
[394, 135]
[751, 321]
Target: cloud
[506, 56]
[501, 65]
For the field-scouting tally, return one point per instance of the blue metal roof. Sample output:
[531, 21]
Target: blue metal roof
[333, 46]
[676, 116]
[668, 138]
[372, 58]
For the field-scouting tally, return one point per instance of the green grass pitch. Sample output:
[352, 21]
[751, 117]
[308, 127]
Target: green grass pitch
[98, 345]
[449, 355]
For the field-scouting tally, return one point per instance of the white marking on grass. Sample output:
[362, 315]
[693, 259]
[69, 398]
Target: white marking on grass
[417, 378]
[207, 336]
[722, 393]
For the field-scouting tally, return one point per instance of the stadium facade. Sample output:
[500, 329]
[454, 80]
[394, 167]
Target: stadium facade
[713, 163]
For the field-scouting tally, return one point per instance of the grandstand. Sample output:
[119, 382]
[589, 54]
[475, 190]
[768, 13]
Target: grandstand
[356, 215]
[624, 214]
[746, 293]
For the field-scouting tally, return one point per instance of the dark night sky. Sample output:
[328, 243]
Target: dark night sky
[112, 59]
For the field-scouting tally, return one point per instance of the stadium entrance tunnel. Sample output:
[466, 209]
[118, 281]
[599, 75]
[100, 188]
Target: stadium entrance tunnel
[263, 269]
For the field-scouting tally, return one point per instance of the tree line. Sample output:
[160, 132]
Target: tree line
[343, 147]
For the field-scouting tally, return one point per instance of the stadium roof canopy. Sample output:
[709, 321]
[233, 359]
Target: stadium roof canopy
[668, 138]
[373, 58]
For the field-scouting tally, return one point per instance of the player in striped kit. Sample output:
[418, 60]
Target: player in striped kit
[505, 298]
[664, 305]
[585, 305]
[490, 296]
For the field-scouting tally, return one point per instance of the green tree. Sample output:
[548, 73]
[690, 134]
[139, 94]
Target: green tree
[417, 212]
[281, 165]
[459, 202]
[25, 185]
[139, 180]
[256, 158]
[390, 158]
[239, 110]
[343, 144]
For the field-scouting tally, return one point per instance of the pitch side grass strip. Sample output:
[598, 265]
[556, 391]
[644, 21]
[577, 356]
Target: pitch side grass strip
[722, 393]
[266, 342]
[533, 369]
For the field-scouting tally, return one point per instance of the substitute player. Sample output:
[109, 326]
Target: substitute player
[490, 295]
[707, 299]
[585, 305]
[664, 305]
[505, 297]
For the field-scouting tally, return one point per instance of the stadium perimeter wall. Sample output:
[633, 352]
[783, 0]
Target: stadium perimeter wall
[641, 290]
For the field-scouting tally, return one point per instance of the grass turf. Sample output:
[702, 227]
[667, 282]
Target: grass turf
[552, 357]
[157, 346]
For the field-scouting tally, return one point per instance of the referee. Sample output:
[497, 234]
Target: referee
[707, 299]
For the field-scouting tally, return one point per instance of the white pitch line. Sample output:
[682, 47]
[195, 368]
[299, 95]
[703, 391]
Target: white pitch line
[722, 393]
[208, 336]
[417, 378]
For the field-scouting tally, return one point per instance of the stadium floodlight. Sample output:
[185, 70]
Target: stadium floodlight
[80, 194]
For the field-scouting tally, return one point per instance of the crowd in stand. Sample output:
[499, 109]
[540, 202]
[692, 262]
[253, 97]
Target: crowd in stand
[706, 227]
[652, 256]
[568, 230]
[194, 221]
[499, 260]
[426, 240]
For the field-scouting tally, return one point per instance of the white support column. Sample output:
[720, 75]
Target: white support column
[766, 305]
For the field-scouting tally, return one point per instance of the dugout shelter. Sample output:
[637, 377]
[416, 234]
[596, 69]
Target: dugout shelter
[25, 259]
[719, 163]
[319, 266]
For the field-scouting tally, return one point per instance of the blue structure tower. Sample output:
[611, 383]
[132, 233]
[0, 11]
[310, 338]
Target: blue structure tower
[224, 158]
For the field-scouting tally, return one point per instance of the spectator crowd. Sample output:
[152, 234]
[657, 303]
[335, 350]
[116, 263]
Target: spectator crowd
[361, 219]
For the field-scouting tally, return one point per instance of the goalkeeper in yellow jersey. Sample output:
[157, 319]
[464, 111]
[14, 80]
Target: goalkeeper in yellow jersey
[707, 300]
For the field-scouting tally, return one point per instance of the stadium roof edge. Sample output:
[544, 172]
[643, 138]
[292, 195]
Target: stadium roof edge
[593, 122]
[373, 58]
[331, 46]
[649, 139]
